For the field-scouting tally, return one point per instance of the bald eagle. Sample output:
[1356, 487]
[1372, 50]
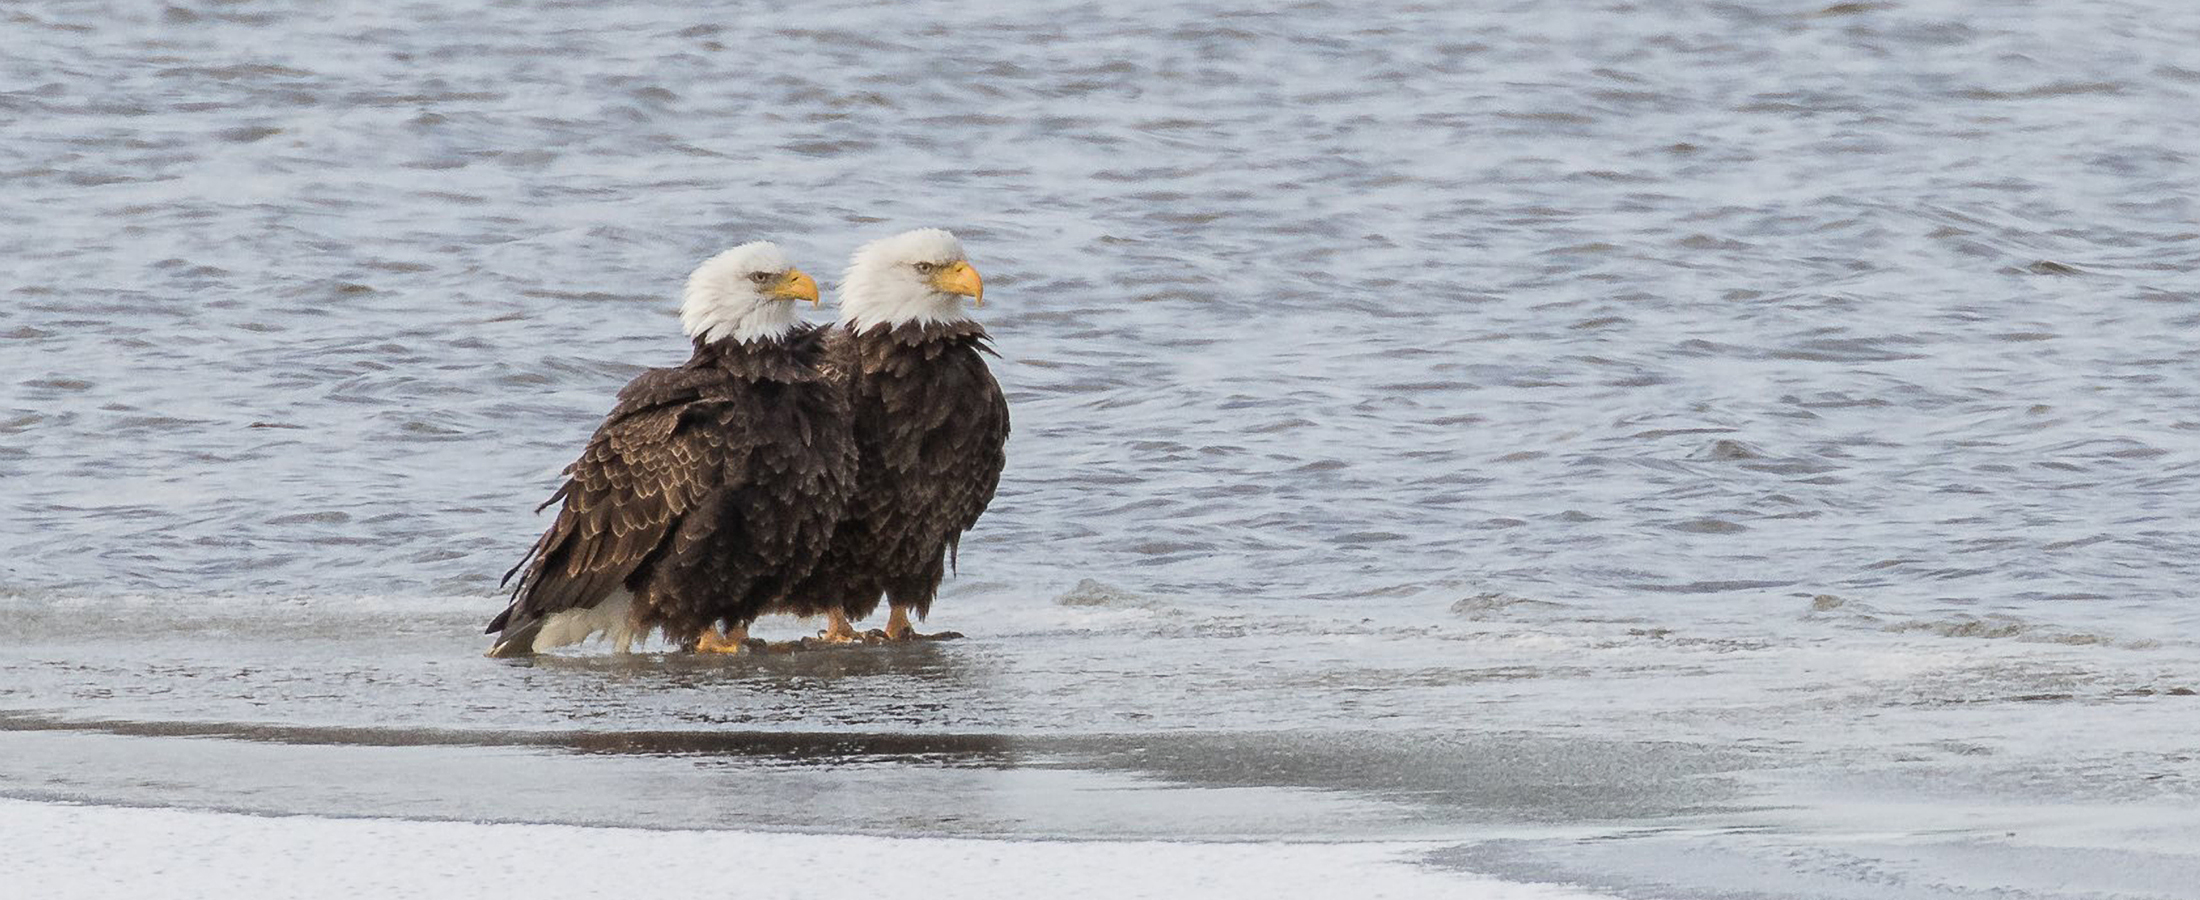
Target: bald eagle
[930, 427]
[709, 491]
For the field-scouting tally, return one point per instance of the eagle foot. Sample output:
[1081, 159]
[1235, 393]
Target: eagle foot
[733, 642]
[838, 630]
[899, 628]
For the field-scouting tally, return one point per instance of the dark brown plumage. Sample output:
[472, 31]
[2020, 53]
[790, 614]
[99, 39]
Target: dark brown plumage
[708, 492]
[931, 425]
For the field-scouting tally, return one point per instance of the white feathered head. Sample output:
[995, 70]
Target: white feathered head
[746, 293]
[916, 277]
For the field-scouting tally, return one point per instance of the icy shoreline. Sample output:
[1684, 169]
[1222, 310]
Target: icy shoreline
[89, 852]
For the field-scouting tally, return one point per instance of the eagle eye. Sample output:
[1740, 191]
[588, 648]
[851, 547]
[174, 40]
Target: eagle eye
[925, 268]
[760, 277]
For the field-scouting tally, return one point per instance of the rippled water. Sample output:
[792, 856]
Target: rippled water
[1719, 372]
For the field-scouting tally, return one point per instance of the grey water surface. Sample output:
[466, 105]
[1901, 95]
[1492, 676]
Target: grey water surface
[1698, 449]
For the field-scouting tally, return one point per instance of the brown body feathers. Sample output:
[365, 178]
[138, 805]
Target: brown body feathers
[931, 427]
[708, 493]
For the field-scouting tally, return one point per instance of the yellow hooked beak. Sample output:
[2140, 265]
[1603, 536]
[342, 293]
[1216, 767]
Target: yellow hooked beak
[795, 286]
[960, 278]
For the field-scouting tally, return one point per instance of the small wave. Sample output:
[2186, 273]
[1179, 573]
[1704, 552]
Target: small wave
[1989, 626]
[1498, 605]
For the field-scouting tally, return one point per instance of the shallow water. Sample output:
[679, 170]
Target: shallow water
[1788, 400]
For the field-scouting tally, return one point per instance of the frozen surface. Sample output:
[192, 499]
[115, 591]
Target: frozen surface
[95, 853]
[1686, 449]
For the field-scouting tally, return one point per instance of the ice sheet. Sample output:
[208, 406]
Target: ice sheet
[92, 852]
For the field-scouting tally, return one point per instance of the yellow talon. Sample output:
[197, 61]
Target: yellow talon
[733, 641]
[897, 625]
[838, 630]
[899, 628]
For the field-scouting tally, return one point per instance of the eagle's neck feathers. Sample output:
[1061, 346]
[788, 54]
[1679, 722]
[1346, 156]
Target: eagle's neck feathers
[790, 355]
[710, 323]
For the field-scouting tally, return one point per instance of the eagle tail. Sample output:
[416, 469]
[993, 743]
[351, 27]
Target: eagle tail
[611, 614]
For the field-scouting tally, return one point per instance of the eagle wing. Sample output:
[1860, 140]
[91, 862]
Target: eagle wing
[976, 448]
[647, 468]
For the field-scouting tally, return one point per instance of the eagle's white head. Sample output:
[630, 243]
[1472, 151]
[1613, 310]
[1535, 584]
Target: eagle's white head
[916, 277]
[746, 293]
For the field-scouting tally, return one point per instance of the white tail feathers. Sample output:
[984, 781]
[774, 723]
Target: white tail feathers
[614, 618]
